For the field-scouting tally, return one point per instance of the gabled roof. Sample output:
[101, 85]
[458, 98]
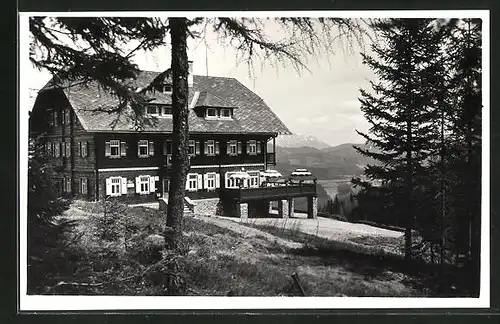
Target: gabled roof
[251, 116]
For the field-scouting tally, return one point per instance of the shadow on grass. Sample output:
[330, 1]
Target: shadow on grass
[442, 280]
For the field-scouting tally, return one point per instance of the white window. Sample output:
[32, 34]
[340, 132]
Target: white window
[57, 148]
[167, 147]
[232, 148]
[144, 184]
[210, 148]
[232, 182]
[252, 147]
[83, 149]
[167, 88]
[83, 186]
[143, 149]
[115, 188]
[225, 113]
[211, 113]
[254, 178]
[152, 110]
[191, 150]
[68, 149]
[166, 111]
[115, 148]
[192, 182]
[210, 181]
[66, 118]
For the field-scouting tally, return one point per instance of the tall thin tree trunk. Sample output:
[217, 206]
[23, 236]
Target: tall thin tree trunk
[409, 165]
[443, 191]
[180, 163]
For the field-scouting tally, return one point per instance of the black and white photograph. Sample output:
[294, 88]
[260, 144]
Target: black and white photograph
[254, 160]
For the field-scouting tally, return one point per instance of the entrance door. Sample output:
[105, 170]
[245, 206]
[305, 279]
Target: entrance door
[166, 186]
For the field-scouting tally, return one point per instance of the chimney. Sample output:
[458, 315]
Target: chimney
[190, 73]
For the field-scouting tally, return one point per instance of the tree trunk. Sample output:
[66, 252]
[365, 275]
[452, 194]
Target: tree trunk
[180, 163]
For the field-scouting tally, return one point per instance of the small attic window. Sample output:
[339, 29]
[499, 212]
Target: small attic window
[152, 110]
[166, 111]
[167, 88]
[225, 113]
[211, 113]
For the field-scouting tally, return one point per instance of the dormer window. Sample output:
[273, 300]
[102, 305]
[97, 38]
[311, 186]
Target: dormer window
[167, 88]
[211, 113]
[225, 113]
[152, 110]
[166, 111]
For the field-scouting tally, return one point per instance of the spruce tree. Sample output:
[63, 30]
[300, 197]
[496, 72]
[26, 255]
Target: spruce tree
[401, 111]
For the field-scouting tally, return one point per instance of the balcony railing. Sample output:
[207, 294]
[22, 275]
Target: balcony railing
[275, 192]
[271, 158]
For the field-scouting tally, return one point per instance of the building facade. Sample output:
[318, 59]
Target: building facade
[100, 154]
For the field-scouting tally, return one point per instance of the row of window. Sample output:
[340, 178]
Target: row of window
[58, 149]
[82, 185]
[145, 148]
[117, 149]
[214, 113]
[143, 184]
[211, 181]
[60, 117]
[159, 110]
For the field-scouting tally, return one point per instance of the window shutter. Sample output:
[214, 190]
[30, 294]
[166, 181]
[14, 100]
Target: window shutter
[239, 147]
[151, 148]
[187, 181]
[248, 146]
[217, 180]
[200, 182]
[138, 149]
[205, 147]
[68, 149]
[205, 181]
[228, 149]
[197, 147]
[124, 186]
[152, 184]
[137, 184]
[86, 145]
[63, 149]
[165, 147]
[55, 117]
[107, 149]
[80, 149]
[123, 149]
[86, 180]
[108, 186]
[259, 144]
[217, 148]
[51, 118]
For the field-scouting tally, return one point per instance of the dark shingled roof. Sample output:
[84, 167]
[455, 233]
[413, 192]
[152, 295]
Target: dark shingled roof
[206, 99]
[251, 116]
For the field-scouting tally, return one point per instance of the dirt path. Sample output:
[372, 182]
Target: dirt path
[359, 238]
[246, 231]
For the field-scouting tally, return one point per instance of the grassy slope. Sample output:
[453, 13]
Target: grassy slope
[217, 261]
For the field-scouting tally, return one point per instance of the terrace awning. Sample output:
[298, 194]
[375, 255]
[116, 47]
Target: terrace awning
[271, 174]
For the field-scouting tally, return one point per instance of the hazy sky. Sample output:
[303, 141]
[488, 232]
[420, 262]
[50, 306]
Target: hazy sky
[322, 102]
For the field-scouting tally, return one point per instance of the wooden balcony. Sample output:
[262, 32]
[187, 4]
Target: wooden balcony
[270, 193]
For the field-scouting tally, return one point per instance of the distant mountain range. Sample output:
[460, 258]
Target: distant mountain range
[328, 162]
[299, 140]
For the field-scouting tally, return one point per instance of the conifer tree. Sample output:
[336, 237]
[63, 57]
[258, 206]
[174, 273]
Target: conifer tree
[401, 111]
